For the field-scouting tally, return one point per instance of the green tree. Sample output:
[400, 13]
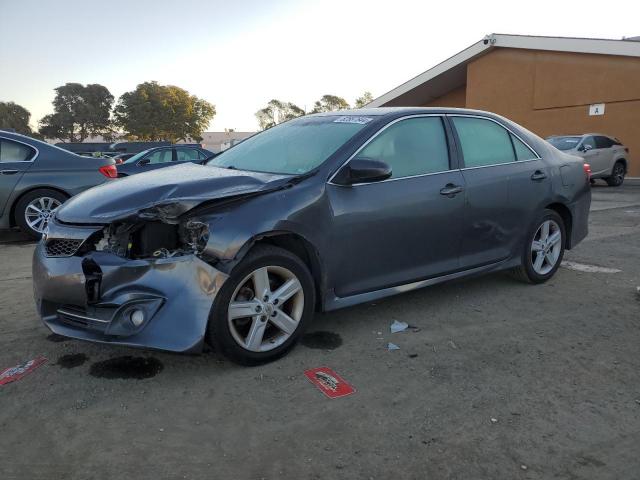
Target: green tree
[364, 99]
[329, 103]
[277, 112]
[79, 112]
[15, 117]
[154, 112]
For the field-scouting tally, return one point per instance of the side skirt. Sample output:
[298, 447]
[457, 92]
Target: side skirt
[333, 302]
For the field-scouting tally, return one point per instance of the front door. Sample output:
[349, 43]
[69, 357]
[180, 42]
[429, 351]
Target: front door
[405, 228]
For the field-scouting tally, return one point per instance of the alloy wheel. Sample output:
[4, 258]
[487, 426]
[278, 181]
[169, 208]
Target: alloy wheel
[618, 173]
[546, 247]
[39, 211]
[265, 308]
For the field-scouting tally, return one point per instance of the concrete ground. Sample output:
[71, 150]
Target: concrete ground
[498, 380]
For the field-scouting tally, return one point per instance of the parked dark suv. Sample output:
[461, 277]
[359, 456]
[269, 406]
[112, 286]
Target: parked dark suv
[36, 178]
[161, 157]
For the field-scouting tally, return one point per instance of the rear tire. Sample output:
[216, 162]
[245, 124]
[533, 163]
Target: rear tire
[27, 210]
[617, 175]
[543, 249]
[253, 319]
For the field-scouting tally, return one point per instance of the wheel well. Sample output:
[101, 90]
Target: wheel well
[303, 250]
[565, 213]
[12, 216]
[624, 162]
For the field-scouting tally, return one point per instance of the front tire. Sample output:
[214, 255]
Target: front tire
[263, 308]
[543, 249]
[617, 175]
[34, 210]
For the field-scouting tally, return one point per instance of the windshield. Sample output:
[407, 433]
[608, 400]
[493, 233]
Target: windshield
[137, 156]
[295, 147]
[564, 143]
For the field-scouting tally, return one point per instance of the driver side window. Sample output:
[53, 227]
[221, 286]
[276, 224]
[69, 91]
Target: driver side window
[414, 146]
[589, 141]
[160, 156]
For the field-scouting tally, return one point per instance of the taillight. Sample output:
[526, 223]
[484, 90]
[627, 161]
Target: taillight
[109, 171]
[587, 170]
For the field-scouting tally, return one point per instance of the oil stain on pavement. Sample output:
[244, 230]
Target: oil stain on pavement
[127, 367]
[72, 360]
[321, 340]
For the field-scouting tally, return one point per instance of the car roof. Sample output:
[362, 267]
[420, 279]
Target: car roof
[385, 111]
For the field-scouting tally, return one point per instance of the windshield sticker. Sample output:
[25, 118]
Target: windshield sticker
[350, 119]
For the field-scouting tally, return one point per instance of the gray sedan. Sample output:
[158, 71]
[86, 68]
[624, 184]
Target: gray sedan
[318, 213]
[36, 178]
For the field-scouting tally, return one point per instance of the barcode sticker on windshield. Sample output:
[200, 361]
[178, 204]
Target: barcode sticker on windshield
[353, 119]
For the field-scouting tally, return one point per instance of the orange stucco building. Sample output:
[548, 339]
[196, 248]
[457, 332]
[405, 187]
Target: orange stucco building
[550, 85]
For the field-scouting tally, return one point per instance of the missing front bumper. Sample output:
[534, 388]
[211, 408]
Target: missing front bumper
[175, 294]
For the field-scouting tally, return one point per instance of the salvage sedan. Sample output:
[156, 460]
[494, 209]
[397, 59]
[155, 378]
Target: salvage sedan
[321, 212]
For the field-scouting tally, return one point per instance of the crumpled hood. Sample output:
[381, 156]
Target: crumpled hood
[170, 191]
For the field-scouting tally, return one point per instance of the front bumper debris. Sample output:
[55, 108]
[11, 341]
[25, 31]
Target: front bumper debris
[95, 297]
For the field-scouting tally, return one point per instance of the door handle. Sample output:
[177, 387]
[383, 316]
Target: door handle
[8, 172]
[451, 190]
[538, 175]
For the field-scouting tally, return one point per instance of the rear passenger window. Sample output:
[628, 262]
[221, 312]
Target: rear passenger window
[603, 142]
[589, 141]
[483, 142]
[414, 146]
[522, 151]
[186, 154]
[15, 152]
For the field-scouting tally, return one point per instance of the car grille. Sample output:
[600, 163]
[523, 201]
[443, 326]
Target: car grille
[62, 247]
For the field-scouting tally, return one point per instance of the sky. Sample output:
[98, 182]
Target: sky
[240, 54]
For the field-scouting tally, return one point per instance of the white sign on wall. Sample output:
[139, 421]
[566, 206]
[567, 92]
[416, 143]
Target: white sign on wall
[596, 109]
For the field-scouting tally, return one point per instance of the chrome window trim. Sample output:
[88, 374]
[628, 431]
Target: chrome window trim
[375, 135]
[33, 159]
[470, 115]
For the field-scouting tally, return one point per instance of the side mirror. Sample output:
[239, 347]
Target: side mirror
[144, 161]
[362, 170]
[586, 148]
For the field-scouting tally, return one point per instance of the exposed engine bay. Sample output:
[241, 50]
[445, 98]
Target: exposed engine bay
[152, 239]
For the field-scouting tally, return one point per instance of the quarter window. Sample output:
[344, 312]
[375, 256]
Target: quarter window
[483, 142]
[522, 151]
[410, 147]
[15, 152]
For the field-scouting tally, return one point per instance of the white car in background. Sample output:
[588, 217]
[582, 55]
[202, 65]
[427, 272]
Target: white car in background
[608, 158]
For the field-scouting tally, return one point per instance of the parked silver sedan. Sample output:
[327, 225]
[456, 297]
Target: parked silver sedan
[608, 158]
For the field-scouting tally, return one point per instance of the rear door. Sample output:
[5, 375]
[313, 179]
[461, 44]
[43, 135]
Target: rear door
[603, 162]
[15, 159]
[505, 181]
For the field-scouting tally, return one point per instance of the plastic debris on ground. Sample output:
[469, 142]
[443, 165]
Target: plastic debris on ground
[397, 326]
[392, 346]
[329, 382]
[13, 374]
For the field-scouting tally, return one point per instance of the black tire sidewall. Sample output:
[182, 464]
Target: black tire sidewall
[218, 333]
[25, 200]
[612, 181]
[527, 263]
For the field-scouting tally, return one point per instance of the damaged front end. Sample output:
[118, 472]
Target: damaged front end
[140, 281]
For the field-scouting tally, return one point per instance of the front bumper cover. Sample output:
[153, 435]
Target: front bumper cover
[91, 297]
